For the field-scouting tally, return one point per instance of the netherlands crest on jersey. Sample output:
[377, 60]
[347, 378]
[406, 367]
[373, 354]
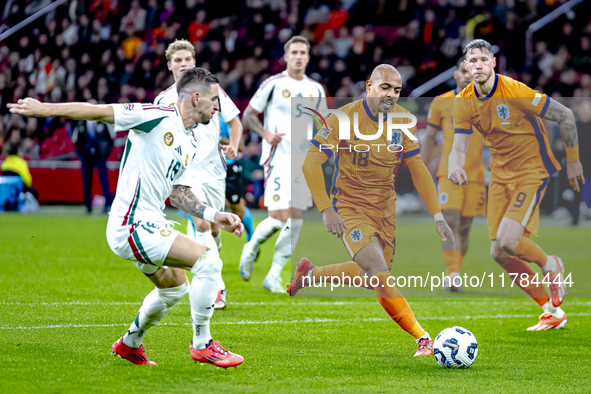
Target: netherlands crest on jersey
[503, 111]
[325, 131]
[396, 140]
[356, 235]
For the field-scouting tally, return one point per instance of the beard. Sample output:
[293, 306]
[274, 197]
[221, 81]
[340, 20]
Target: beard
[205, 118]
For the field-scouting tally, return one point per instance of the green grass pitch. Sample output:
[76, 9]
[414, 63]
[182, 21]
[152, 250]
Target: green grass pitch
[65, 298]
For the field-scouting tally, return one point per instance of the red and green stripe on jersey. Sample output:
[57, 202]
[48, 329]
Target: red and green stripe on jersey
[128, 218]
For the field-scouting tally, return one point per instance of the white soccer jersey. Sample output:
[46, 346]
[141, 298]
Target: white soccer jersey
[274, 98]
[167, 97]
[211, 164]
[158, 151]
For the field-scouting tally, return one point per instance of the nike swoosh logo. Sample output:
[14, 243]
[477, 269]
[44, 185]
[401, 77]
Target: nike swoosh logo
[474, 117]
[356, 139]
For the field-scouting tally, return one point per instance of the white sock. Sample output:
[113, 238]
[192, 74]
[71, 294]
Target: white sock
[218, 240]
[265, 230]
[555, 311]
[550, 264]
[155, 306]
[206, 277]
[206, 239]
[221, 285]
[285, 245]
[426, 336]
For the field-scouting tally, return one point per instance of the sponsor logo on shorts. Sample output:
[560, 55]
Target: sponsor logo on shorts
[356, 235]
[443, 198]
[286, 93]
[165, 232]
[168, 139]
[276, 197]
[128, 107]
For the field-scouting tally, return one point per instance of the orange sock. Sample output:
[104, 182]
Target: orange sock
[396, 305]
[453, 261]
[347, 270]
[528, 250]
[461, 258]
[537, 292]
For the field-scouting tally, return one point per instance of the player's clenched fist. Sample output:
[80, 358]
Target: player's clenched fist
[229, 152]
[333, 222]
[229, 222]
[273, 138]
[28, 107]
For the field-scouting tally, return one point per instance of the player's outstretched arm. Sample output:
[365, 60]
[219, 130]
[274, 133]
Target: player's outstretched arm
[568, 129]
[183, 198]
[77, 111]
[423, 182]
[457, 159]
[251, 120]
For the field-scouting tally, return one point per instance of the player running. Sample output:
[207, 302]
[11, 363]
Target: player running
[362, 210]
[458, 203]
[507, 113]
[286, 199]
[209, 172]
[158, 152]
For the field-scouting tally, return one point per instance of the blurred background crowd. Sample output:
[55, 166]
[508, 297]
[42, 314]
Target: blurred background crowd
[113, 51]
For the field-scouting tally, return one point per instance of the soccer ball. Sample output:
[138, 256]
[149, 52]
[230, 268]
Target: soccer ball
[455, 347]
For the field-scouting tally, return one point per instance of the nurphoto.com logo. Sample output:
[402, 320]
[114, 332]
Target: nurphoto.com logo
[394, 130]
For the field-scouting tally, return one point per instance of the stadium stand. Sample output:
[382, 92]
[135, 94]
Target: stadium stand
[113, 51]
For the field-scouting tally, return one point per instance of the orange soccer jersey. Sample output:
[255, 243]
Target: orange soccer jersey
[441, 118]
[509, 119]
[363, 178]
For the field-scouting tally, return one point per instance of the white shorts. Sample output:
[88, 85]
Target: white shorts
[283, 192]
[212, 194]
[145, 243]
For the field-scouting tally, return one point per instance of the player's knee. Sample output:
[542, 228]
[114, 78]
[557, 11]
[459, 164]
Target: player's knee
[174, 294]
[452, 217]
[369, 266]
[507, 244]
[214, 267]
[203, 226]
[495, 251]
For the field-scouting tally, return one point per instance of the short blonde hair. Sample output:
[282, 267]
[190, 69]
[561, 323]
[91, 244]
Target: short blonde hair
[179, 45]
[296, 39]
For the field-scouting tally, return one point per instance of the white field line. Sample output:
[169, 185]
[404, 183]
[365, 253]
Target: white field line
[300, 321]
[370, 301]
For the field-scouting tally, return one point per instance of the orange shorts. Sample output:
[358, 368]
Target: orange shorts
[518, 201]
[469, 199]
[361, 229]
